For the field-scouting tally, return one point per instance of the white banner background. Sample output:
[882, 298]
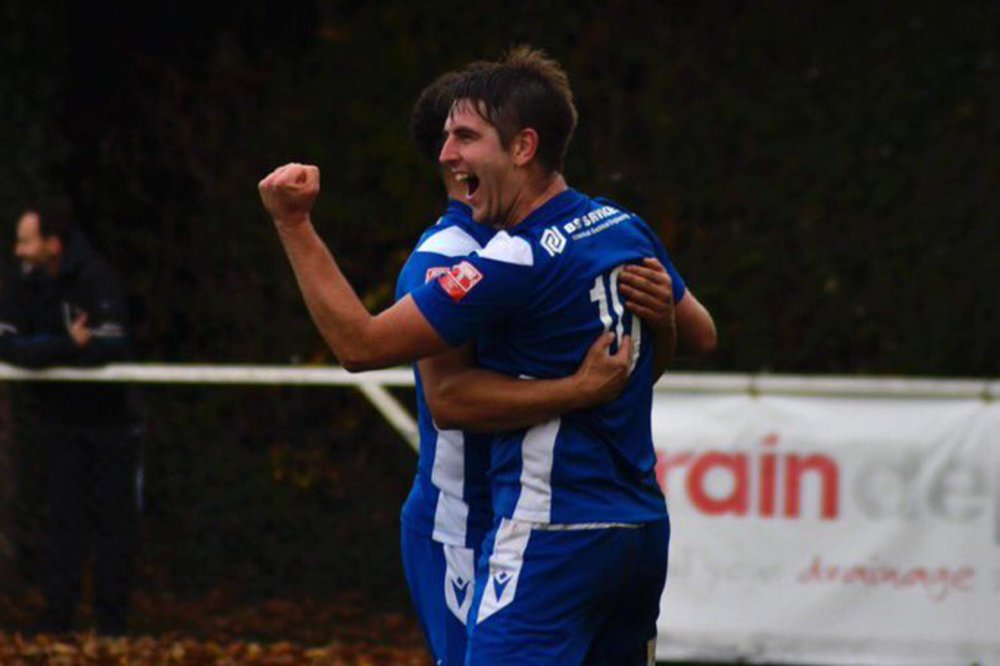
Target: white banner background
[891, 557]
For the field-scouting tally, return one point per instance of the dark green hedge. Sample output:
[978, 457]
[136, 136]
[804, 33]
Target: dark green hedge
[824, 175]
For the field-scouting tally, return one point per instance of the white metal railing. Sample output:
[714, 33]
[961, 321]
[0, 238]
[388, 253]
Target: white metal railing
[373, 383]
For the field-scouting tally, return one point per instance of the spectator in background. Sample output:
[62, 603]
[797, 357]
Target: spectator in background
[65, 307]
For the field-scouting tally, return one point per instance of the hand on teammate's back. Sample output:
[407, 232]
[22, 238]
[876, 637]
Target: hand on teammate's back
[648, 291]
[289, 192]
[602, 375]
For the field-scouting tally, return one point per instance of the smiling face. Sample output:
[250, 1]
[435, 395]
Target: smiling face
[474, 154]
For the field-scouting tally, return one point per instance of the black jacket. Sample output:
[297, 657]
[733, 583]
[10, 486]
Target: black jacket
[35, 312]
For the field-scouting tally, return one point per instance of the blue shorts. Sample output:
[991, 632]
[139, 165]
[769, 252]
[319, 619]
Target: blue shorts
[441, 580]
[568, 595]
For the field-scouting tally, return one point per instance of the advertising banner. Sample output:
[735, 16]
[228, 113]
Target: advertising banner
[830, 530]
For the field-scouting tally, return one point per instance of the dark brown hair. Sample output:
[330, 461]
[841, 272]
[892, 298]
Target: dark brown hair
[55, 218]
[429, 113]
[525, 88]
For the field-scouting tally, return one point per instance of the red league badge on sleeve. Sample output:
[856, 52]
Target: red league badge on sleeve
[432, 273]
[460, 280]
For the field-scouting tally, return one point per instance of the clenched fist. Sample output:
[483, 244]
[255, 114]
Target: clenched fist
[289, 192]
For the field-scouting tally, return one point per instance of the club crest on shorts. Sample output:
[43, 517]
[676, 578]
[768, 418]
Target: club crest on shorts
[458, 585]
[458, 595]
[506, 562]
[500, 584]
[460, 280]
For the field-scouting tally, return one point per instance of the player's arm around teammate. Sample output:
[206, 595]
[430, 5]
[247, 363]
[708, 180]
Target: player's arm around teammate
[466, 397]
[463, 396]
[639, 284]
[685, 328]
[696, 334]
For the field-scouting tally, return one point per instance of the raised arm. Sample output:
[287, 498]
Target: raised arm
[463, 396]
[359, 340]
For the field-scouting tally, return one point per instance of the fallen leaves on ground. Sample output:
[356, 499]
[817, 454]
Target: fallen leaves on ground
[87, 649]
[220, 628]
[223, 617]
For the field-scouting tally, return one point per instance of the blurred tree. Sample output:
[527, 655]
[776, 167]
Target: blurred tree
[32, 149]
[33, 146]
[804, 164]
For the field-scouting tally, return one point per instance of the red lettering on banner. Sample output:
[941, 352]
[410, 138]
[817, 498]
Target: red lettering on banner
[736, 501]
[963, 579]
[768, 470]
[795, 467]
[768, 477]
[936, 582]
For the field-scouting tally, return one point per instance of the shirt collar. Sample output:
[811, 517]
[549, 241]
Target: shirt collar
[554, 209]
[456, 206]
[461, 214]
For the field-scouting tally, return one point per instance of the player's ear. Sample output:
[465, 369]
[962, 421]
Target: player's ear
[524, 146]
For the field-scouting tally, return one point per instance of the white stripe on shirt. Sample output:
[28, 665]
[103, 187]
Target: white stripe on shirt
[537, 448]
[451, 512]
[451, 242]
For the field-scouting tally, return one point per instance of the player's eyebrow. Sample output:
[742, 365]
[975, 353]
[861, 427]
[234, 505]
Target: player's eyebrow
[461, 130]
[464, 132]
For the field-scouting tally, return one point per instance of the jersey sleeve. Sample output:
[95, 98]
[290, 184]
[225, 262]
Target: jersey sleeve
[679, 286]
[419, 268]
[473, 293]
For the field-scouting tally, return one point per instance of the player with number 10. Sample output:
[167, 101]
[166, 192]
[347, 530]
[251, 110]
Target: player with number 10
[575, 563]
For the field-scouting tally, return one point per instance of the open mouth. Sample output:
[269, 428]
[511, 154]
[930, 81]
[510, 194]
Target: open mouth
[471, 182]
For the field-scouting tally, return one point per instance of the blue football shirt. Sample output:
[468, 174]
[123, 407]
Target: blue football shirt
[449, 500]
[535, 298]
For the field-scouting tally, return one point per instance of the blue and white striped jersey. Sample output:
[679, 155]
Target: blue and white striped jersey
[450, 498]
[535, 298]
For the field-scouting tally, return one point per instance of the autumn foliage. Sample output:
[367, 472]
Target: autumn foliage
[216, 629]
[87, 649]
